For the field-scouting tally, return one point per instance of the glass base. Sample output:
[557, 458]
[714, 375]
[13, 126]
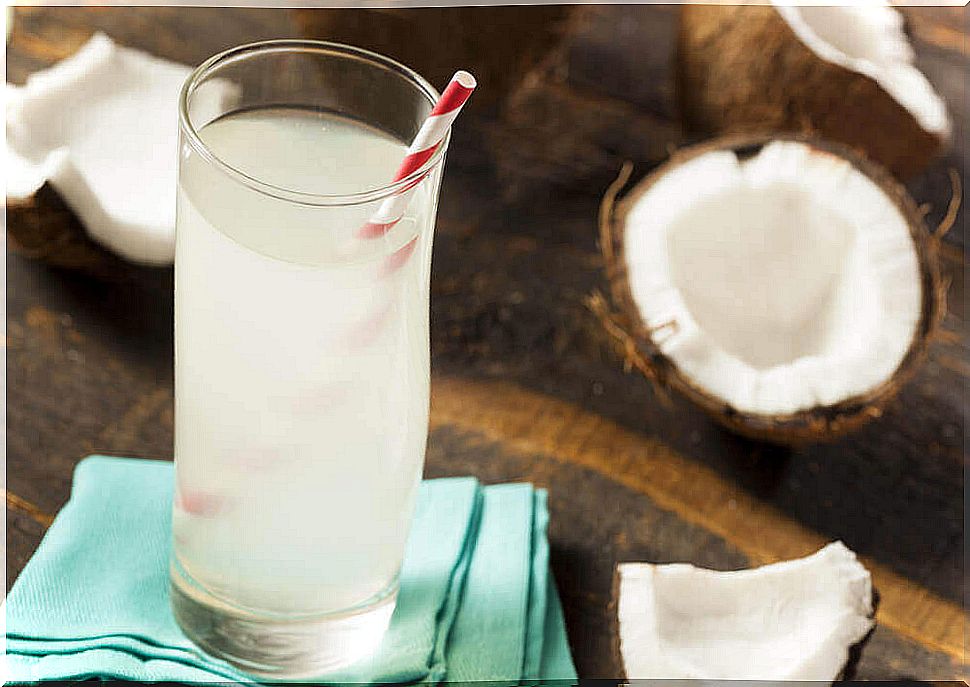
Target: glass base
[277, 647]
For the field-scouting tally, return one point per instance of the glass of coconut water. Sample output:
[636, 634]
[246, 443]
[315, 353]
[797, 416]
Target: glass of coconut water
[302, 353]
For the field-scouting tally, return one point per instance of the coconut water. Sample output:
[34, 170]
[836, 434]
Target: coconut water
[302, 363]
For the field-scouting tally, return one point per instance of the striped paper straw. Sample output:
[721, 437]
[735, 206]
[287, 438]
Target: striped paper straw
[429, 139]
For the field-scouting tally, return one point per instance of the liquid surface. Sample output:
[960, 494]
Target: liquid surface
[302, 375]
[305, 151]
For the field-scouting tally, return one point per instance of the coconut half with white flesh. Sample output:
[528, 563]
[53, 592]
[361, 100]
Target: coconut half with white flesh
[91, 156]
[844, 73]
[795, 620]
[786, 288]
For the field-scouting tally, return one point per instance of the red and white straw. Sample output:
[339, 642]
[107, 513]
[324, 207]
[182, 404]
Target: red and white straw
[429, 139]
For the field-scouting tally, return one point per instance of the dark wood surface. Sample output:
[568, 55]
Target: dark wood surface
[524, 386]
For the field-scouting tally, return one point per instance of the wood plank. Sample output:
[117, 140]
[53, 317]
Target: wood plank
[495, 43]
[597, 521]
[25, 507]
[22, 537]
[89, 362]
[532, 423]
[42, 35]
[594, 522]
[80, 354]
[627, 53]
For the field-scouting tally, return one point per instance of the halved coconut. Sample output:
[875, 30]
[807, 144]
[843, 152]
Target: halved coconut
[786, 287]
[97, 133]
[845, 73]
[795, 620]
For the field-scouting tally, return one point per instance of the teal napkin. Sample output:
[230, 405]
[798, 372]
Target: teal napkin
[477, 601]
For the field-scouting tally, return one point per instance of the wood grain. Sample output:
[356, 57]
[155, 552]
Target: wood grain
[24, 506]
[524, 385]
[532, 423]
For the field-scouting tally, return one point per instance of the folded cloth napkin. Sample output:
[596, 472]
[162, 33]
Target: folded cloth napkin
[477, 601]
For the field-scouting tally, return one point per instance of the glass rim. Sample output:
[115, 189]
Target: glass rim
[304, 45]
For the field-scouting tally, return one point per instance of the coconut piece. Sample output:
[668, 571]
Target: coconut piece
[845, 73]
[101, 129]
[794, 620]
[786, 288]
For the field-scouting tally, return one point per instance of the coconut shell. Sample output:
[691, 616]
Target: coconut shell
[42, 227]
[741, 69]
[633, 342]
[613, 609]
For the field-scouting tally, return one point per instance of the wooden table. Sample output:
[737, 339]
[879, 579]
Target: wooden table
[524, 387]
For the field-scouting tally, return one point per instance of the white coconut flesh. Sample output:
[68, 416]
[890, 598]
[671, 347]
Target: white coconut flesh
[790, 279]
[102, 128]
[794, 620]
[869, 39]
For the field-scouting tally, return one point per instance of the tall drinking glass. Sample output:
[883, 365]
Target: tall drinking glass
[302, 354]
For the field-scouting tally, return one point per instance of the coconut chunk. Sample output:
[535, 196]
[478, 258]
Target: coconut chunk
[845, 74]
[791, 277]
[102, 128]
[794, 620]
[868, 39]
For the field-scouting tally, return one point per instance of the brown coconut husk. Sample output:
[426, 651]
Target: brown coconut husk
[613, 611]
[635, 346]
[742, 69]
[42, 227]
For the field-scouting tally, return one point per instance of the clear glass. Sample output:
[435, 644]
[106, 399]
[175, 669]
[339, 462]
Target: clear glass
[302, 352]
